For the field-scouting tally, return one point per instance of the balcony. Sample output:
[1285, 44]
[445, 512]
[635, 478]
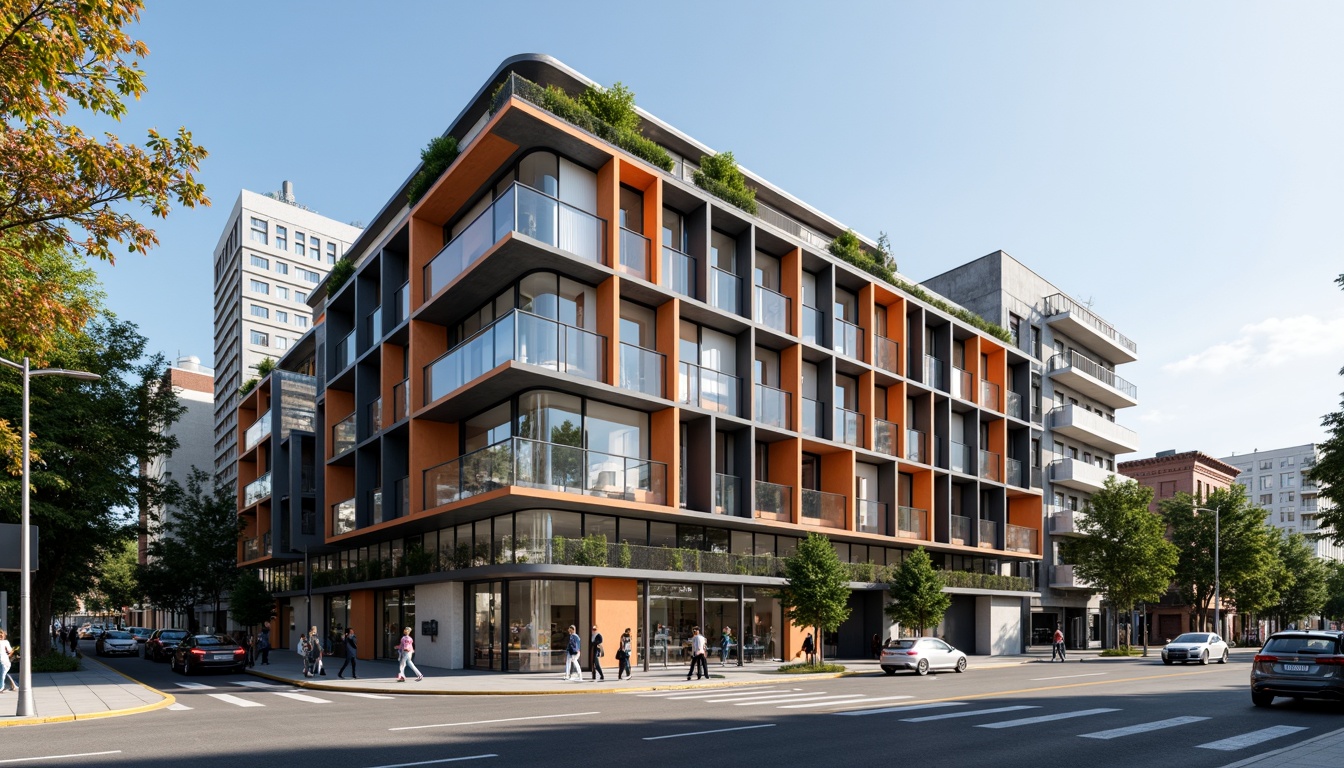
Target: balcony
[1077, 422]
[962, 384]
[257, 490]
[989, 534]
[959, 530]
[259, 429]
[376, 506]
[885, 436]
[1074, 473]
[678, 272]
[401, 303]
[912, 523]
[933, 373]
[403, 490]
[520, 337]
[1066, 522]
[1015, 406]
[848, 427]
[811, 425]
[726, 490]
[1064, 577]
[343, 436]
[989, 466]
[1020, 539]
[824, 509]
[870, 516]
[1094, 380]
[1078, 322]
[847, 339]
[989, 396]
[634, 254]
[518, 461]
[641, 370]
[1016, 473]
[773, 501]
[812, 320]
[401, 400]
[887, 354]
[343, 517]
[251, 549]
[527, 212]
[707, 388]
[345, 351]
[724, 290]
[772, 407]
[373, 322]
[376, 416]
[916, 446]
[771, 309]
[959, 457]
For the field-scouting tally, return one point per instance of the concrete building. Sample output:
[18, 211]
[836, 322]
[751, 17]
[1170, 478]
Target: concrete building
[270, 255]
[1074, 398]
[1275, 479]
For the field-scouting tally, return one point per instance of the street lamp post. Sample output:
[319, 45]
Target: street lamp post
[25, 707]
[1217, 581]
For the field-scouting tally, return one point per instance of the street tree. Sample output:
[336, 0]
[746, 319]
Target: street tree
[1122, 553]
[1333, 609]
[250, 602]
[118, 585]
[916, 592]
[203, 520]
[816, 592]
[164, 577]
[1305, 594]
[1328, 472]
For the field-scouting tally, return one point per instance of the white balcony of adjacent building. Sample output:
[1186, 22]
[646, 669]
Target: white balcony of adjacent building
[1094, 380]
[1064, 577]
[1066, 522]
[1079, 475]
[1093, 429]
[1081, 324]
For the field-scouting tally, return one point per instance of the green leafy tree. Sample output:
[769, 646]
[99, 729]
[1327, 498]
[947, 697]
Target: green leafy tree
[1333, 609]
[204, 518]
[434, 160]
[1306, 593]
[817, 590]
[1329, 471]
[250, 602]
[1123, 553]
[614, 105]
[916, 592]
[118, 585]
[720, 176]
[164, 578]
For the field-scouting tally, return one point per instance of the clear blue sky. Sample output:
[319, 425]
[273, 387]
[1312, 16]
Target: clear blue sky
[1178, 164]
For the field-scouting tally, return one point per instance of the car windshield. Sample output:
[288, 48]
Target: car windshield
[114, 634]
[1192, 637]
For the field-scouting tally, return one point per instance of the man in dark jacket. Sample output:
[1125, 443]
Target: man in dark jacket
[350, 652]
[572, 654]
[595, 655]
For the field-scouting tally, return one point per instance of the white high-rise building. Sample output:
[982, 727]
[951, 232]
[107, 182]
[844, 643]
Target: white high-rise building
[1276, 480]
[269, 256]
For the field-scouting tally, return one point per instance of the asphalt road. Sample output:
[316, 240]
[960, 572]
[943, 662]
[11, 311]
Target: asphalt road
[1118, 714]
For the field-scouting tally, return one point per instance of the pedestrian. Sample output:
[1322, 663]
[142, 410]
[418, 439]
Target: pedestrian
[6, 658]
[623, 656]
[595, 654]
[264, 644]
[315, 653]
[699, 649]
[61, 641]
[405, 655]
[350, 648]
[1057, 644]
[302, 649]
[876, 646]
[809, 650]
[661, 640]
[725, 646]
[572, 654]
[74, 641]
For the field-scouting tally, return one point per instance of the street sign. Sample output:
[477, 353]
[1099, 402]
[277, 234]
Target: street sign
[10, 556]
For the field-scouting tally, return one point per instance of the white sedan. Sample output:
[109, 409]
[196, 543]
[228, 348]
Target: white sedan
[1202, 647]
[921, 654]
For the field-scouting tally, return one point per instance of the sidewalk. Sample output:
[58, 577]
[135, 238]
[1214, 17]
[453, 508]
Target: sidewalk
[94, 691]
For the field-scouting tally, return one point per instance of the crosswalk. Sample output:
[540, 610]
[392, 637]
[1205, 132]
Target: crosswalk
[1023, 716]
[258, 694]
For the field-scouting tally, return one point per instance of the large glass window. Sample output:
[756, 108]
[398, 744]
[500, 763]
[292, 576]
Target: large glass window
[722, 612]
[540, 613]
[761, 637]
[673, 610]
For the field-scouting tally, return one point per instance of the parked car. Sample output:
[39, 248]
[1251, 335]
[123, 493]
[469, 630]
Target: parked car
[160, 644]
[90, 633]
[1202, 647]
[114, 641]
[141, 634]
[197, 653]
[920, 654]
[1299, 664]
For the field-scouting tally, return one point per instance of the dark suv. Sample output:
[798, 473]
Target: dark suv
[160, 644]
[1299, 664]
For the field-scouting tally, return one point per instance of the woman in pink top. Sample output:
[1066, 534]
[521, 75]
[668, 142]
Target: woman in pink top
[406, 650]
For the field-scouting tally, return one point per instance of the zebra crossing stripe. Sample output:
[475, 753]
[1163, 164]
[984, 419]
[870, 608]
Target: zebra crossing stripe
[813, 698]
[360, 695]
[850, 696]
[1048, 718]
[302, 697]
[1156, 725]
[1252, 738]
[234, 700]
[178, 707]
[196, 686]
[259, 684]
[863, 702]
[762, 697]
[974, 713]
[702, 695]
[901, 708]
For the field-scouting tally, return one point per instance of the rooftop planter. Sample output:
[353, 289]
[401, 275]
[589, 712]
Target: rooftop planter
[720, 176]
[434, 160]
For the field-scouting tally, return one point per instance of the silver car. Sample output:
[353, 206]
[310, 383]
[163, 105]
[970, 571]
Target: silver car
[921, 654]
[1202, 647]
[115, 641]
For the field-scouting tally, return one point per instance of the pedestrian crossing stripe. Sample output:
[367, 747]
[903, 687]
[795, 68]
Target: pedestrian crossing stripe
[1131, 730]
[974, 713]
[178, 707]
[235, 700]
[302, 697]
[1048, 718]
[196, 686]
[901, 708]
[1252, 738]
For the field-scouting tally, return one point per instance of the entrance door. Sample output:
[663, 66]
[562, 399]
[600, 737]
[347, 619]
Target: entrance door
[398, 612]
[487, 602]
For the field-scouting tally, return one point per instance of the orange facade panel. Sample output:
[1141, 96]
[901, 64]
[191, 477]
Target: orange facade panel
[616, 608]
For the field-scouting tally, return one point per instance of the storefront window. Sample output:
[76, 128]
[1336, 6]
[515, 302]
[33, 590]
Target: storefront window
[722, 610]
[673, 610]
[540, 612]
[338, 619]
[765, 619]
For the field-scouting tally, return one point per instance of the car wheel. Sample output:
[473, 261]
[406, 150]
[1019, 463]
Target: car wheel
[922, 668]
[1223, 660]
[186, 666]
[961, 664]
[1168, 662]
[1261, 699]
[1204, 659]
[889, 670]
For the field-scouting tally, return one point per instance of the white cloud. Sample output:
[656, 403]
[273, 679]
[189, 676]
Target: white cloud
[1268, 343]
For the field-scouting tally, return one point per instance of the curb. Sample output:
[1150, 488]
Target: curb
[167, 701]
[1267, 758]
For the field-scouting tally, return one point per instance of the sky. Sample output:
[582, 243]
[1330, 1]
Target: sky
[1178, 165]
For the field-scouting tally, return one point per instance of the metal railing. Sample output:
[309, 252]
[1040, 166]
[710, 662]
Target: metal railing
[812, 410]
[707, 388]
[257, 490]
[641, 370]
[401, 400]
[933, 373]
[634, 254]
[726, 490]
[1074, 359]
[959, 529]
[827, 509]
[916, 448]
[345, 351]
[887, 354]
[886, 435]
[343, 517]
[343, 436]
[870, 516]
[989, 396]
[1020, 539]
[725, 290]
[772, 406]
[989, 466]
[678, 271]
[847, 339]
[774, 499]
[811, 320]
[1058, 303]
[771, 309]
[910, 523]
[259, 429]
[848, 427]
[989, 534]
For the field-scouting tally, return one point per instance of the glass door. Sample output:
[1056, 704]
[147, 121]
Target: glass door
[486, 604]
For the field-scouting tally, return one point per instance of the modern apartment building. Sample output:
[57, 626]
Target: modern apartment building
[569, 387]
[270, 256]
[1275, 479]
[1075, 395]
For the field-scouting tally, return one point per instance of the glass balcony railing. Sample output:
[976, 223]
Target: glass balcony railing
[520, 337]
[1015, 472]
[916, 447]
[724, 290]
[933, 373]
[678, 272]
[823, 508]
[528, 463]
[376, 505]
[910, 523]
[401, 302]
[1015, 406]
[848, 427]
[343, 517]
[641, 370]
[989, 534]
[251, 549]
[376, 416]
[401, 400]
[774, 500]
[886, 436]
[257, 490]
[259, 429]
[959, 457]
[374, 323]
[959, 530]
[528, 212]
[812, 319]
[726, 489]
[870, 516]
[989, 396]
[772, 406]
[634, 254]
[989, 466]
[847, 339]
[961, 384]
[345, 351]
[771, 309]
[403, 490]
[1019, 539]
[707, 388]
[811, 425]
[343, 436]
[887, 354]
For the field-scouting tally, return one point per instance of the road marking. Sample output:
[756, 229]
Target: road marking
[360, 695]
[974, 713]
[815, 698]
[1065, 677]
[302, 697]
[1156, 725]
[764, 697]
[178, 707]
[487, 722]
[861, 703]
[1048, 718]
[436, 762]
[196, 686]
[59, 757]
[702, 695]
[702, 733]
[1252, 738]
[827, 703]
[234, 700]
[901, 708]
[259, 684]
